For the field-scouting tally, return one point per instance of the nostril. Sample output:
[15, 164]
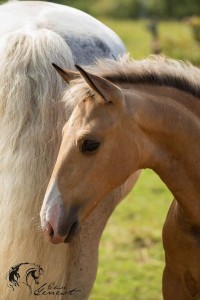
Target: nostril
[50, 230]
[51, 233]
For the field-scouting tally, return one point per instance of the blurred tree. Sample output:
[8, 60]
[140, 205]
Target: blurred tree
[169, 7]
[135, 8]
[183, 8]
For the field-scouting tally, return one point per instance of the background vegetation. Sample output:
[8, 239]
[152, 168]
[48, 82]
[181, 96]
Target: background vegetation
[176, 38]
[168, 9]
[131, 254]
[137, 8]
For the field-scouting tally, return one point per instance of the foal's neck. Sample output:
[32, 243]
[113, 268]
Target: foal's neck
[168, 122]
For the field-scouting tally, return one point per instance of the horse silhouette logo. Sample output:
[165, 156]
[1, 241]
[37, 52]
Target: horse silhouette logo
[24, 274]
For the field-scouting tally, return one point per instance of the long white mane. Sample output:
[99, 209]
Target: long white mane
[31, 119]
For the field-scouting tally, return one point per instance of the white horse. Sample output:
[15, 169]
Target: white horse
[32, 36]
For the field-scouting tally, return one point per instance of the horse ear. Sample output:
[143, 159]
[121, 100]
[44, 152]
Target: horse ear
[106, 89]
[67, 75]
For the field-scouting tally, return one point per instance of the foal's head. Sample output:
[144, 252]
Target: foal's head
[94, 157]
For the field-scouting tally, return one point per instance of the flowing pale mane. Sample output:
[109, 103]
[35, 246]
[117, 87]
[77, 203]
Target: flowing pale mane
[31, 120]
[155, 70]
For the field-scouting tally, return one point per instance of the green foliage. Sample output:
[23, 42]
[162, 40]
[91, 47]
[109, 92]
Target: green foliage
[137, 8]
[134, 34]
[178, 42]
[82, 5]
[195, 25]
[176, 39]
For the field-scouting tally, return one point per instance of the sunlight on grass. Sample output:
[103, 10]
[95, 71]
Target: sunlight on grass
[131, 254]
[134, 35]
[176, 39]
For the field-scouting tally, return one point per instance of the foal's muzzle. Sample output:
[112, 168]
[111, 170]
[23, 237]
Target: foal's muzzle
[55, 238]
[60, 226]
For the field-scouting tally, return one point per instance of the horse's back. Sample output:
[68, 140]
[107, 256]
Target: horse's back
[86, 37]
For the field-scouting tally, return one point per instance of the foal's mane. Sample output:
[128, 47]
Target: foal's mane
[155, 70]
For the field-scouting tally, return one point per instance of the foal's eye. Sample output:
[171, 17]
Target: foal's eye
[89, 146]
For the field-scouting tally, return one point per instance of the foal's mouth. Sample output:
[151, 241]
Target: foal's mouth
[71, 232]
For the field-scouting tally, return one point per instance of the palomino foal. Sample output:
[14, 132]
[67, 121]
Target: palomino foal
[129, 116]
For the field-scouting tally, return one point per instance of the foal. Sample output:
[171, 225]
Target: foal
[132, 115]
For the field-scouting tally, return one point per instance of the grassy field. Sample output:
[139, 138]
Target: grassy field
[131, 253]
[176, 39]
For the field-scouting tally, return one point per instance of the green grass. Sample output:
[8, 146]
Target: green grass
[176, 39]
[134, 35]
[131, 253]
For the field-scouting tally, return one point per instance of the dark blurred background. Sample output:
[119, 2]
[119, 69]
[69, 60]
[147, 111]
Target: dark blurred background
[166, 9]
